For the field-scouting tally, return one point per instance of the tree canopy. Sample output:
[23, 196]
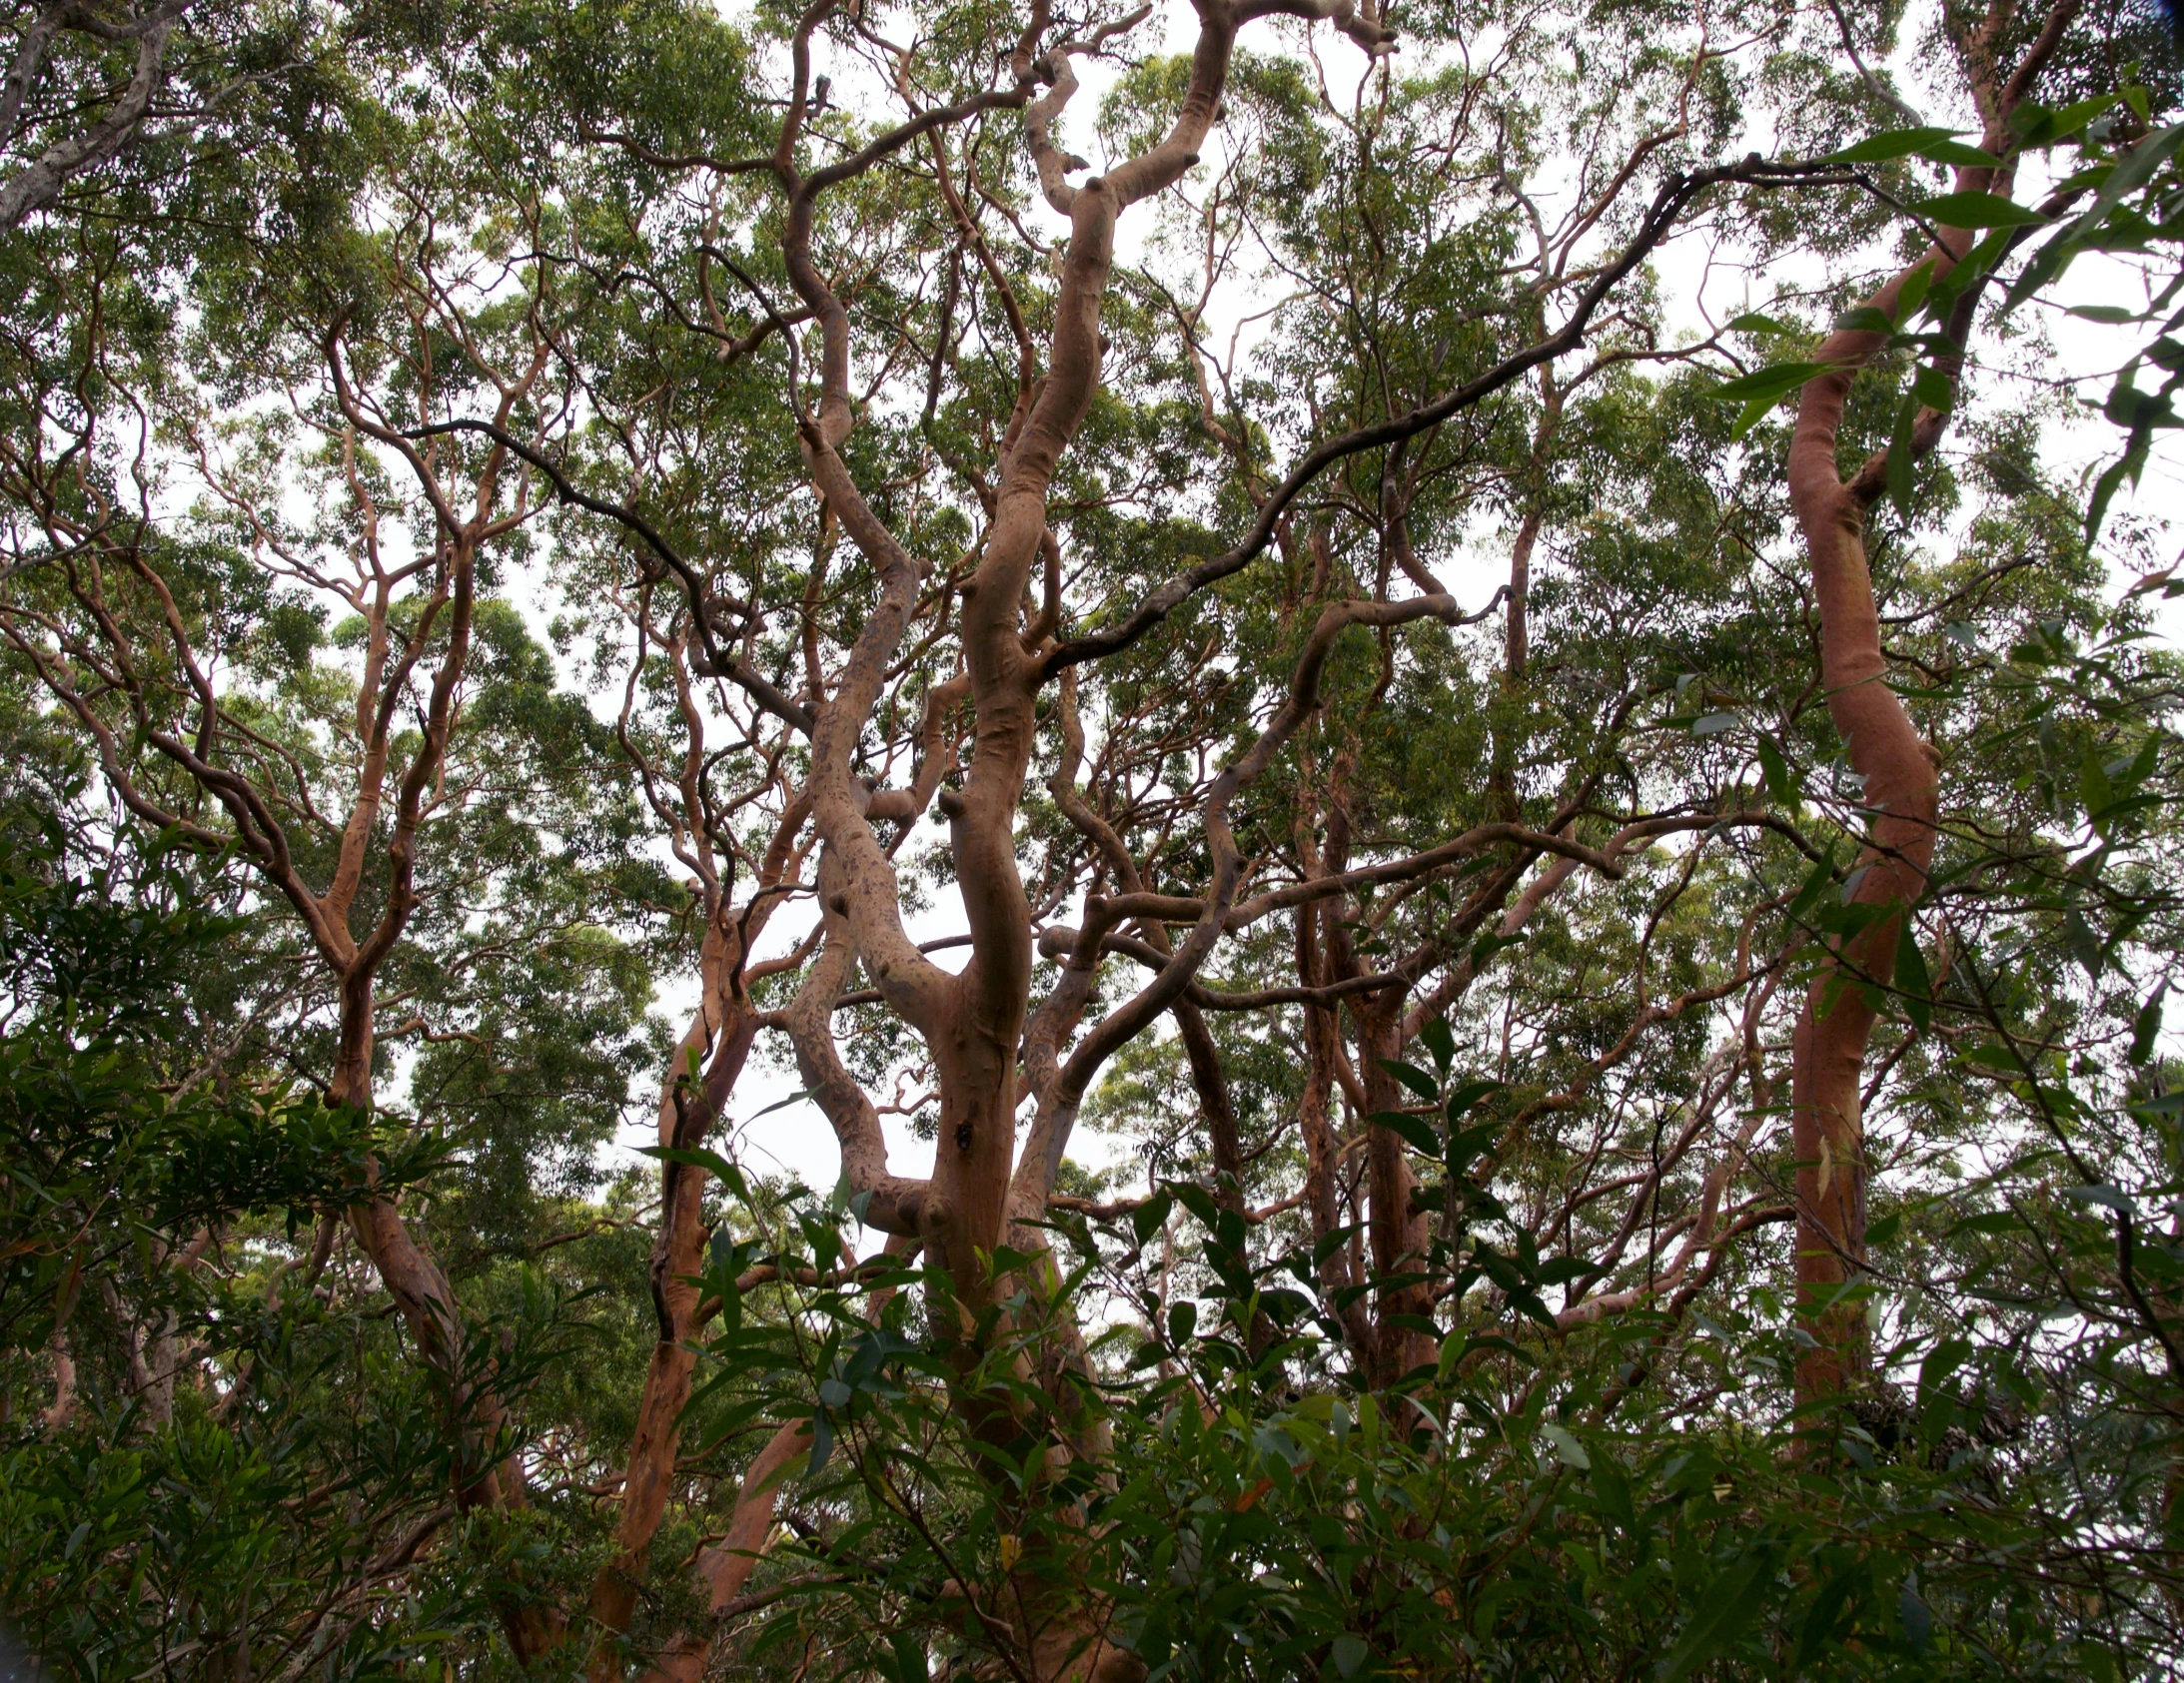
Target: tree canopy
[1436, 744]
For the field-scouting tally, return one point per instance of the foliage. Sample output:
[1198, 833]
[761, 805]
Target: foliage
[563, 555]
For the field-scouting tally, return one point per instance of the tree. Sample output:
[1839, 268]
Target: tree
[1378, 769]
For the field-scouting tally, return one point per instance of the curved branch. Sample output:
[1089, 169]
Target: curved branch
[1667, 207]
[39, 183]
[715, 660]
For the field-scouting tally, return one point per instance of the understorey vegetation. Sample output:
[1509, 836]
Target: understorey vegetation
[1242, 840]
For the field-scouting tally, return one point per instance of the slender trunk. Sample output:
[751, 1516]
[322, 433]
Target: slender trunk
[1518, 648]
[726, 1566]
[1902, 792]
[1323, 1203]
[1398, 1232]
[63, 1408]
[1517, 645]
[1900, 787]
[678, 1253]
[483, 1475]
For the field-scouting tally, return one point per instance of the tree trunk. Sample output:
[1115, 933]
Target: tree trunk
[1900, 787]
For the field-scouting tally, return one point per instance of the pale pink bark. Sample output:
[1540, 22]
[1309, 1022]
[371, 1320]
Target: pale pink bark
[1900, 787]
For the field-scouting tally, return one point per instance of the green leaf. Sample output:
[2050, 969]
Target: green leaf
[1957, 152]
[2047, 266]
[1714, 725]
[2036, 125]
[1349, 1654]
[1456, 1347]
[1416, 1079]
[1781, 787]
[1441, 1042]
[1918, 1617]
[2127, 176]
[1822, 1618]
[1768, 384]
[1491, 943]
[1933, 388]
[1415, 1131]
[699, 1156]
[1815, 885]
[1613, 1486]
[910, 1664]
[1900, 480]
[2084, 945]
[1912, 294]
[1328, 1243]
[1864, 319]
[2132, 172]
[1912, 979]
[1753, 413]
[1469, 1142]
[1723, 1613]
[1198, 1201]
[1568, 1450]
[2146, 1026]
[1752, 321]
[1976, 210]
[1466, 1097]
[1151, 1216]
[2108, 314]
[1894, 143]
[2093, 785]
[1940, 1363]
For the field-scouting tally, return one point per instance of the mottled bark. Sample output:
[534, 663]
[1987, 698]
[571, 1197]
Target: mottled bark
[38, 183]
